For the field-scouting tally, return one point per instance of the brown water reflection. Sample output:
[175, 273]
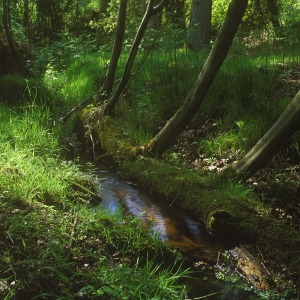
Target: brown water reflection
[173, 225]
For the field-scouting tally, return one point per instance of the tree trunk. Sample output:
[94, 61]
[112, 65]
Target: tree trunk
[138, 38]
[287, 124]
[274, 10]
[200, 24]
[7, 28]
[116, 52]
[198, 92]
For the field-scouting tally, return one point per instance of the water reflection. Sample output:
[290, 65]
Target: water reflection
[172, 224]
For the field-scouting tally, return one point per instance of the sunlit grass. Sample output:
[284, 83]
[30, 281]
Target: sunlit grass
[58, 239]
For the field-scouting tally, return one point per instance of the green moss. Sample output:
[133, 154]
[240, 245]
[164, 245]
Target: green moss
[226, 206]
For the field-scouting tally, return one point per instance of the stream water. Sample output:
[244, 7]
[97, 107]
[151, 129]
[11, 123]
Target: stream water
[175, 226]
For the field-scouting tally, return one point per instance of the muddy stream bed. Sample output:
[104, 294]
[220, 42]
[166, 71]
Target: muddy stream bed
[176, 227]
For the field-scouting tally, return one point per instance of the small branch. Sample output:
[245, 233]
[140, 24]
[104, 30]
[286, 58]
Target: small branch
[73, 230]
[218, 259]
[178, 193]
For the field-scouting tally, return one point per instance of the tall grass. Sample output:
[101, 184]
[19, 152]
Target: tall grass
[52, 243]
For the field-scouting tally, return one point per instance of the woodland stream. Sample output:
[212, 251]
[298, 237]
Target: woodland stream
[174, 226]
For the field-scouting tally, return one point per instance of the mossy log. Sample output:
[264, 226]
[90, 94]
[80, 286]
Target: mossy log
[226, 212]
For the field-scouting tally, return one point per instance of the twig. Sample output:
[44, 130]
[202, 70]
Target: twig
[260, 254]
[178, 193]
[73, 230]
[265, 268]
[146, 55]
[219, 256]
[261, 262]
[94, 153]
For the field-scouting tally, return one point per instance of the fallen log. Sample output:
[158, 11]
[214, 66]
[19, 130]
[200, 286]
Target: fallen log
[226, 213]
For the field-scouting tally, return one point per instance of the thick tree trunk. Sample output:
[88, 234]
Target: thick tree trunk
[200, 24]
[198, 92]
[287, 124]
[116, 52]
[138, 38]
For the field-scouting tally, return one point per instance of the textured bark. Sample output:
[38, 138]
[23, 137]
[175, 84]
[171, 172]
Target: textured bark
[287, 124]
[151, 10]
[116, 52]
[200, 24]
[198, 92]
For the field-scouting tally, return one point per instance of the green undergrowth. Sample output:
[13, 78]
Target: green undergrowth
[52, 243]
[16, 91]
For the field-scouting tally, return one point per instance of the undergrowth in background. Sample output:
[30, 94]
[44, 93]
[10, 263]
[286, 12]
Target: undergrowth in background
[242, 99]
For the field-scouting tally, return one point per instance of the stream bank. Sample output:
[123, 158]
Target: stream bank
[201, 250]
[225, 210]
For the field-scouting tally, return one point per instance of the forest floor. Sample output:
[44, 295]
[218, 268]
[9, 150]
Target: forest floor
[278, 184]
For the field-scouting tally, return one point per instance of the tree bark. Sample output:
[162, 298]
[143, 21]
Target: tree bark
[287, 124]
[151, 10]
[7, 28]
[200, 24]
[198, 92]
[116, 52]
[274, 10]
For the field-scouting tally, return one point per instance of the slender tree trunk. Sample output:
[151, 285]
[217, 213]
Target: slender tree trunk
[126, 74]
[200, 24]
[198, 92]
[7, 28]
[116, 52]
[287, 124]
